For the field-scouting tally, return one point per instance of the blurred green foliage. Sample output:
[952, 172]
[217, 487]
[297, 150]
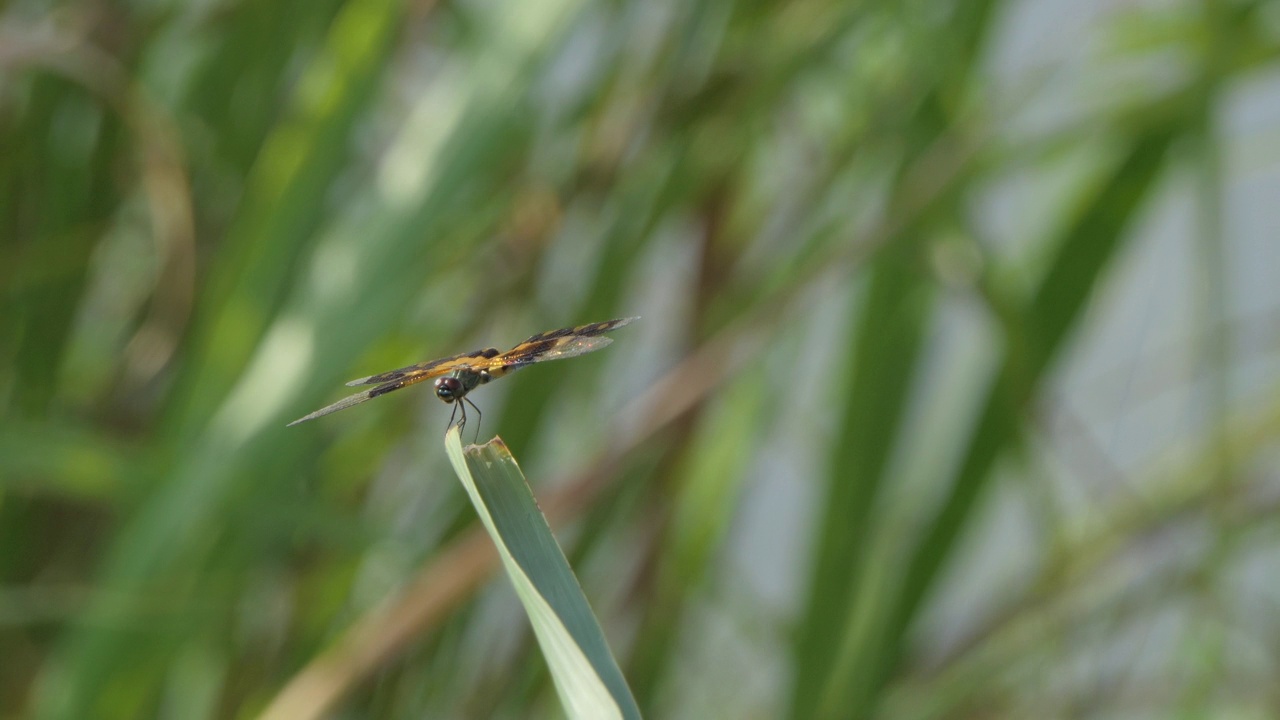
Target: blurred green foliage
[876, 247]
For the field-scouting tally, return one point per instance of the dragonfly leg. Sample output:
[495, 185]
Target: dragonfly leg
[455, 413]
[479, 417]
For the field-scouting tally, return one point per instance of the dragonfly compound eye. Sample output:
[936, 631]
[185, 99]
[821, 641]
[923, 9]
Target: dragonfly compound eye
[448, 389]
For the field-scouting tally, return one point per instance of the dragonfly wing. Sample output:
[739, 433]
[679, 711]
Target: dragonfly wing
[342, 404]
[553, 350]
[560, 344]
[433, 368]
[360, 397]
[550, 345]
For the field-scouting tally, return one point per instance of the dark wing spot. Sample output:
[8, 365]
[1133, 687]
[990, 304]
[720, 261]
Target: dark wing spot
[589, 330]
[551, 335]
[531, 349]
[595, 328]
[384, 389]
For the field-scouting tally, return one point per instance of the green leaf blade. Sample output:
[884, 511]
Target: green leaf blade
[585, 672]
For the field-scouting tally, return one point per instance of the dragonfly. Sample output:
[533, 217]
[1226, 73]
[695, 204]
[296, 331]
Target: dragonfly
[457, 375]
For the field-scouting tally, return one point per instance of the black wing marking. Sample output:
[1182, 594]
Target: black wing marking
[589, 330]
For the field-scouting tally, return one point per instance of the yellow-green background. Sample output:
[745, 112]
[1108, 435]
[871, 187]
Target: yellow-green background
[955, 393]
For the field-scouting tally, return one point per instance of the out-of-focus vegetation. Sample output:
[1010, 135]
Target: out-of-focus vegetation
[954, 396]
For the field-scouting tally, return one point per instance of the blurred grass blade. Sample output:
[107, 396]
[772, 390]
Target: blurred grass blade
[889, 328]
[586, 675]
[284, 202]
[67, 461]
[237, 307]
[1085, 251]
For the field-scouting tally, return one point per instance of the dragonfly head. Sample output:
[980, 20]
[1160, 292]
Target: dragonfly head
[449, 389]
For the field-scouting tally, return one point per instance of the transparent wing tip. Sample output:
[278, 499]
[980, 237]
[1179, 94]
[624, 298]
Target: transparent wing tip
[342, 404]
